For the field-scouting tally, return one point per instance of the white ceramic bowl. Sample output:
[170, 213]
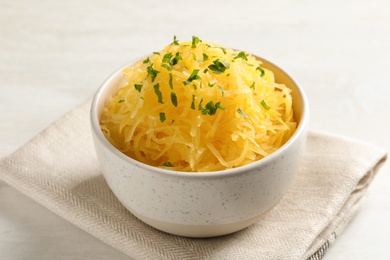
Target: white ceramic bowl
[202, 204]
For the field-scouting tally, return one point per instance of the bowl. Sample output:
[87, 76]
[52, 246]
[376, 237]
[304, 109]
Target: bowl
[201, 204]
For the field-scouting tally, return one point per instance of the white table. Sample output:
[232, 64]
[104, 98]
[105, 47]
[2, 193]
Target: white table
[54, 55]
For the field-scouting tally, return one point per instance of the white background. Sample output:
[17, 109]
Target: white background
[54, 55]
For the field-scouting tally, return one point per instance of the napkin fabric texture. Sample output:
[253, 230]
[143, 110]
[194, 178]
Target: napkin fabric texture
[59, 169]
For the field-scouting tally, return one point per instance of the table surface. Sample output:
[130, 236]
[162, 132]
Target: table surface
[54, 55]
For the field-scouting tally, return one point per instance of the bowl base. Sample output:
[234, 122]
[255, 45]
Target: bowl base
[199, 231]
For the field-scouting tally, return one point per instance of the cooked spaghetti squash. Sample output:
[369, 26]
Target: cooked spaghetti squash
[196, 106]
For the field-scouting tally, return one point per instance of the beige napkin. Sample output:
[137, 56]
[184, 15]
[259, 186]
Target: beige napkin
[58, 169]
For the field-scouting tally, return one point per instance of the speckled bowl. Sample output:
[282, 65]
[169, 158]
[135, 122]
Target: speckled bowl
[202, 204]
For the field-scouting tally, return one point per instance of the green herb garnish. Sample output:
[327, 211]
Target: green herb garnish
[156, 52]
[193, 102]
[219, 67]
[158, 93]
[166, 66]
[205, 57]
[162, 117]
[241, 55]
[175, 59]
[200, 107]
[194, 75]
[218, 105]
[170, 80]
[175, 41]
[253, 85]
[121, 101]
[242, 113]
[167, 57]
[262, 72]
[138, 87]
[211, 108]
[152, 72]
[174, 99]
[168, 164]
[265, 105]
[195, 40]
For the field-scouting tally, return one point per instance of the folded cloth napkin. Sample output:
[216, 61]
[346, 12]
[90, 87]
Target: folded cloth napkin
[59, 169]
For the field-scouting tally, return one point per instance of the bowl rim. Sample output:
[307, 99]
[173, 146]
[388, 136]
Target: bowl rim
[301, 130]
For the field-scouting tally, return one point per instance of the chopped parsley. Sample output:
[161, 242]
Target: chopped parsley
[166, 66]
[205, 57]
[175, 41]
[218, 105]
[168, 164]
[193, 102]
[147, 60]
[194, 75]
[241, 55]
[167, 57]
[152, 72]
[175, 59]
[156, 52]
[138, 87]
[265, 105]
[195, 40]
[219, 67]
[162, 117]
[201, 108]
[170, 80]
[262, 72]
[158, 93]
[253, 85]
[242, 113]
[210, 108]
[174, 99]
[121, 101]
